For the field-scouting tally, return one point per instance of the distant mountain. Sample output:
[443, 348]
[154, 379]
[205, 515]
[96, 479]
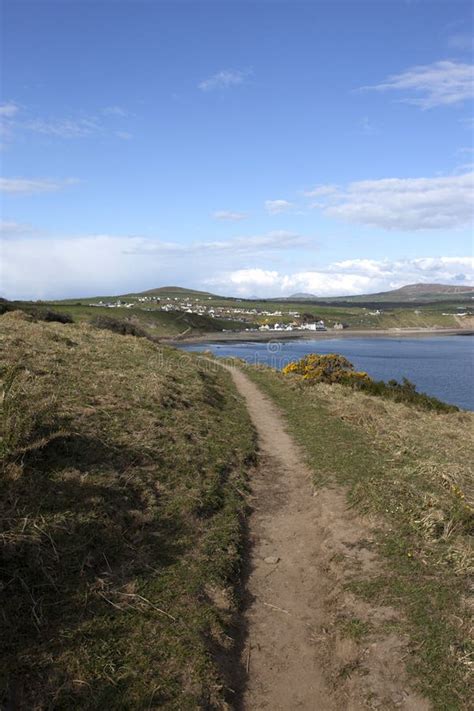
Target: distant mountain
[409, 294]
[301, 295]
[172, 290]
[417, 292]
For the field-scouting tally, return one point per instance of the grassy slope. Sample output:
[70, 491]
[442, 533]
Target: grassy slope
[120, 514]
[360, 319]
[159, 323]
[410, 469]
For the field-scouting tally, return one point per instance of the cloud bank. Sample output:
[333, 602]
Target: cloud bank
[356, 276]
[401, 203]
[38, 266]
[35, 265]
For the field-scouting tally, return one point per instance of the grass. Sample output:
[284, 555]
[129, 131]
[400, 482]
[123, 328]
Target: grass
[158, 323]
[121, 505]
[410, 470]
[174, 323]
[354, 627]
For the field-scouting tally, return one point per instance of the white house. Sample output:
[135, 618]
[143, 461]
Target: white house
[315, 326]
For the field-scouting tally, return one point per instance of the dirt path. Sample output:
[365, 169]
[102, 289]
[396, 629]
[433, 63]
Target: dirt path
[303, 546]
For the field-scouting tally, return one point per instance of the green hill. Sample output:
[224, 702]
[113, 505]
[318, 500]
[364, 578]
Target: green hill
[172, 291]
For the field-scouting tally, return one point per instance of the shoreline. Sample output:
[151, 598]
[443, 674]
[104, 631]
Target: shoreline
[265, 337]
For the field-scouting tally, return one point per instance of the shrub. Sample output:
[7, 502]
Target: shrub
[37, 313]
[334, 368]
[330, 368]
[124, 328]
[42, 315]
[405, 392]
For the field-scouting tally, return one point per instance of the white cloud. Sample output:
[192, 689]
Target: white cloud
[115, 111]
[37, 265]
[321, 191]
[64, 128]
[443, 83]
[356, 276]
[124, 135]
[223, 80]
[8, 109]
[255, 278]
[229, 215]
[10, 228]
[277, 239]
[275, 207]
[30, 186]
[405, 203]
[55, 267]
[81, 126]
[251, 244]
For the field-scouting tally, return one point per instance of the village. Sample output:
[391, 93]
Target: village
[257, 318]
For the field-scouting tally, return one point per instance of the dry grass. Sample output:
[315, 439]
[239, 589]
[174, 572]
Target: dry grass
[411, 472]
[120, 506]
[434, 454]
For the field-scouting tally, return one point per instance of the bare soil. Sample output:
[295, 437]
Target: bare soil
[304, 546]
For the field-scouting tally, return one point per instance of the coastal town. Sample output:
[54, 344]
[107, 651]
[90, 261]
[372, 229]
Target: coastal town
[258, 319]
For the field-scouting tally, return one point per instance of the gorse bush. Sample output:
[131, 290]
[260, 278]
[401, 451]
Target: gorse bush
[330, 368]
[334, 368]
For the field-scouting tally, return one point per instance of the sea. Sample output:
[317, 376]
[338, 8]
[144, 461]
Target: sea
[442, 366]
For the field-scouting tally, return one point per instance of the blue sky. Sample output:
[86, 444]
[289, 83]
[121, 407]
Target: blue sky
[249, 148]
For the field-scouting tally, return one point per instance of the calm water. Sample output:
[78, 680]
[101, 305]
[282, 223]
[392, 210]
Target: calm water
[442, 366]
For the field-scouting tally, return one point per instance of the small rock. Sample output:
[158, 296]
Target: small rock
[271, 560]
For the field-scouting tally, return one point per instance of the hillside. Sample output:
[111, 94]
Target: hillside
[405, 294]
[398, 540]
[172, 311]
[417, 293]
[158, 323]
[172, 291]
[137, 497]
[301, 295]
[120, 519]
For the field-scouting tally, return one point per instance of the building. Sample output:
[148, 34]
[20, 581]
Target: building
[315, 326]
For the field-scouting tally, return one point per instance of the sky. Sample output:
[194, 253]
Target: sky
[246, 147]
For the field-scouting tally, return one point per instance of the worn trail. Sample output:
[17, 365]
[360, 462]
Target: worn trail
[293, 656]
